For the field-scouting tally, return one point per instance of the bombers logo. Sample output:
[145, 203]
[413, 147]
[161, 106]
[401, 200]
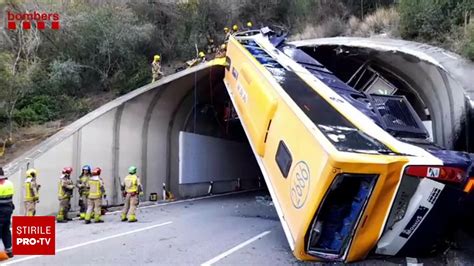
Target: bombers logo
[300, 178]
[25, 19]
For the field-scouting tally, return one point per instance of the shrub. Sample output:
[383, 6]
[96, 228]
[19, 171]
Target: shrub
[102, 40]
[330, 28]
[64, 77]
[430, 20]
[383, 21]
[42, 108]
[468, 47]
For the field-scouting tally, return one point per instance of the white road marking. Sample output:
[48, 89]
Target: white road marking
[234, 249]
[413, 262]
[145, 228]
[185, 200]
[89, 242]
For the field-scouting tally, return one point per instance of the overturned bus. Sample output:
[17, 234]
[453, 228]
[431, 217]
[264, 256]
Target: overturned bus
[350, 171]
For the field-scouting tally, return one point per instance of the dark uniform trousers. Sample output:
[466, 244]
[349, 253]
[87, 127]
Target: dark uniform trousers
[6, 211]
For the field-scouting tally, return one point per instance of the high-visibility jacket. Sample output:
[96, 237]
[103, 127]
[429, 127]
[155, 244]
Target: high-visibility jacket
[31, 189]
[132, 184]
[82, 185]
[6, 191]
[65, 187]
[96, 187]
[156, 69]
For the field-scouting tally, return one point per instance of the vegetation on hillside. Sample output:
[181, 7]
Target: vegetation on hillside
[106, 46]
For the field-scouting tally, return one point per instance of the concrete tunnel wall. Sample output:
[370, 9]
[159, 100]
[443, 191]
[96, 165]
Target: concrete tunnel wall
[444, 97]
[443, 80]
[140, 128]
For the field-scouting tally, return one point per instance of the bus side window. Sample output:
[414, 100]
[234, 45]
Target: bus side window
[283, 158]
[228, 62]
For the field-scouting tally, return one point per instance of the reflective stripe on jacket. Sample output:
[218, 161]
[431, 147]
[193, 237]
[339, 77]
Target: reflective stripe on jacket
[31, 190]
[82, 185]
[6, 191]
[96, 188]
[131, 183]
[65, 187]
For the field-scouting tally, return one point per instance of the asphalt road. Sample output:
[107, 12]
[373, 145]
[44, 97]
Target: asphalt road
[238, 229]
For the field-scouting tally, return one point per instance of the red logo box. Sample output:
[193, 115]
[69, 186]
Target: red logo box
[11, 25]
[55, 25]
[34, 235]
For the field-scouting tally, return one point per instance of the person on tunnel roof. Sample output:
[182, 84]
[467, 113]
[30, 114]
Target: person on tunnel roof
[235, 29]
[249, 25]
[226, 34]
[221, 51]
[211, 46]
[156, 68]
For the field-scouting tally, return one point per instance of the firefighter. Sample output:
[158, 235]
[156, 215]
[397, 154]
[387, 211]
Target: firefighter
[235, 29]
[227, 34]
[94, 199]
[65, 188]
[156, 68]
[202, 57]
[249, 25]
[31, 192]
[83, 192]
[222, 50]
[6, 209]
[131, 188]
[211, 47]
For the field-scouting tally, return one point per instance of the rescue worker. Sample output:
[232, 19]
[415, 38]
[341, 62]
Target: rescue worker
[202, 57]
[156, 68]
[249, 25]
[94, 199]
[31, 192]
[222, 51]
[6, 209]
[211, 47]
[235, 29]
[65, 188]
[83, 191]
[131, 188]
[227, 34]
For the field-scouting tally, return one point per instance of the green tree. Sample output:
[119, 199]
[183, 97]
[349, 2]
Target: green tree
[102, 42]
[468, 47]
[431, 20]
[14, 84]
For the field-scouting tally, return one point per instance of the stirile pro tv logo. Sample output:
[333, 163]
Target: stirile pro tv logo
[25, 20]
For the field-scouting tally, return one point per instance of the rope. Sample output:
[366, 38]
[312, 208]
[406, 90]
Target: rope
[195, 93]
[195, 101]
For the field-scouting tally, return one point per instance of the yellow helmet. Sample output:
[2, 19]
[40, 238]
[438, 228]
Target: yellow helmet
[156, 58]
[226, 29]
[31, 172]
[223, 46]
[235, 27]
[249, 24]
[202, 54]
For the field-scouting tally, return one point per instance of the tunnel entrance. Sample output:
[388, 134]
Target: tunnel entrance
[435, 97]
[210, 151]
[364, 73]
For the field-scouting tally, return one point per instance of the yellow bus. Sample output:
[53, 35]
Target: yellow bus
[332, 172]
